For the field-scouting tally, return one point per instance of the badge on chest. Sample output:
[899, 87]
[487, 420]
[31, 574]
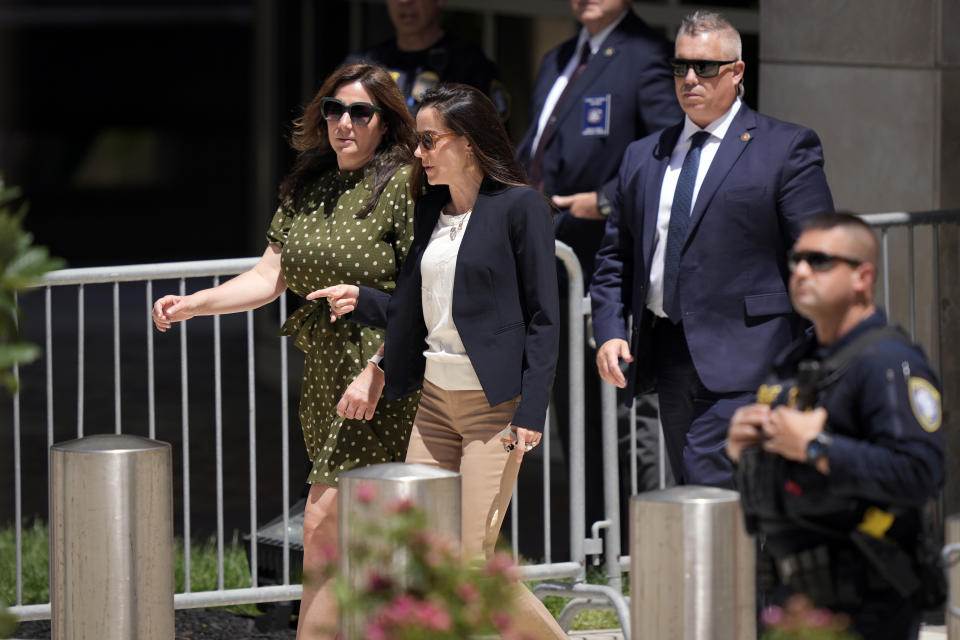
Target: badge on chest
[596, 115]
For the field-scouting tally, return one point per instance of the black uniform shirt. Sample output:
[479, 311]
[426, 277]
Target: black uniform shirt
[884, 414]
[448, 60]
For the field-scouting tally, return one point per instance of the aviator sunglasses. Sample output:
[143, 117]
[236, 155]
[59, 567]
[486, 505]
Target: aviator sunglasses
[428, 139]
[703, 68]
[360, 112]
[817, 260]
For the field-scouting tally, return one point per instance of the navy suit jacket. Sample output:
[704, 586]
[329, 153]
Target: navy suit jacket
[505, 301]
[766, 177]
[631, 68]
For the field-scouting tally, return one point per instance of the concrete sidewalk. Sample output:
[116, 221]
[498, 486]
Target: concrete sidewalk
[926, 633]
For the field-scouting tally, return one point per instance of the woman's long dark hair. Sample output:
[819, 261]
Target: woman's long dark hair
[311, 139]
[471, 114]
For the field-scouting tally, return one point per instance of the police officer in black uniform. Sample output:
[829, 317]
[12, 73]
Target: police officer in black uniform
[844, 446]
[423, 55]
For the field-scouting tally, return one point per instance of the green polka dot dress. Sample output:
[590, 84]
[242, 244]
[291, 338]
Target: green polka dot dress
[324, 243]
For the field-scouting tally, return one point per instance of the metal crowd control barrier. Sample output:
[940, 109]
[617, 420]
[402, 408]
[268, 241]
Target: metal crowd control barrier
[81, 329]
[579, 589]
[111, 497]
[693, 565]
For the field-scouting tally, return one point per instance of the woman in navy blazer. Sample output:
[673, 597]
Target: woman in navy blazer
[473, 319]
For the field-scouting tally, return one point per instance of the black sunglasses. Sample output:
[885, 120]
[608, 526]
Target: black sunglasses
[360, 112]
[428, 139]
[703, 68]
[818, 260]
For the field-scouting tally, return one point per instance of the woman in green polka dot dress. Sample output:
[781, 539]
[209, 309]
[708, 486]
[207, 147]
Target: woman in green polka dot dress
[346, 215]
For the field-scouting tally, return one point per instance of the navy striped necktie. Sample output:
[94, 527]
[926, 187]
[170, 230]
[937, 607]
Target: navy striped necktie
[535, 174]
[679, 222]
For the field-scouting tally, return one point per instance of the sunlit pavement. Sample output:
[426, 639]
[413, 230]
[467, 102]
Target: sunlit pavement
[926, 633]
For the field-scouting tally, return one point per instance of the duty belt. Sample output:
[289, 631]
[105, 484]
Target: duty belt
[831, 577]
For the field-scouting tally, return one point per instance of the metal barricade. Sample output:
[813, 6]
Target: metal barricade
[85, 288]
[64, 337]
[111, 497]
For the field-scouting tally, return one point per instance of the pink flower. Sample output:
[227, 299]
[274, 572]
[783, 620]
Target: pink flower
[374, 631]
[501, 564]
[401, 505]
[500, 620]
[772, 616]
[366, 493]
[402, 609]
[434, 617]
[326, 557]
[819, 618]
[378, 581]
[467, 591]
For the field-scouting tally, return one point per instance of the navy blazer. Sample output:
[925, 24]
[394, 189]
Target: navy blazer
[505, 301]
[766, 177]
[631, 68]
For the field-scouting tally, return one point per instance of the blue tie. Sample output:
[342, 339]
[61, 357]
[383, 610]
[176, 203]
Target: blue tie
[679, 221]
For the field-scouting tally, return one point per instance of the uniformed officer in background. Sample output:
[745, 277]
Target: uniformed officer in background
[844, 446]
[422, 55]
[595, 94]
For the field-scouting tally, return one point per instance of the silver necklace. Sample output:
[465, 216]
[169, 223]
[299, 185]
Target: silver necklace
[455, 228]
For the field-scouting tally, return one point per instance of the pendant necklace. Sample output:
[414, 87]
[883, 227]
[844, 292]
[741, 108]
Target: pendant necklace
[455, 228]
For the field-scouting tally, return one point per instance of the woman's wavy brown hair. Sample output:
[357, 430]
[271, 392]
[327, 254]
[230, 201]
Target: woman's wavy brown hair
[311, 139]
[470, 113]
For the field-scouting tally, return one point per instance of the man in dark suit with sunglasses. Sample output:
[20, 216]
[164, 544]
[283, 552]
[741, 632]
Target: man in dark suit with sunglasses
[843, 446]
[696, 251]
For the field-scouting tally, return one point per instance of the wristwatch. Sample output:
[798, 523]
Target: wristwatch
[603, 204]
[818, 447]
[376, 359]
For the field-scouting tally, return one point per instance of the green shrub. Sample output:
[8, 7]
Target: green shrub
[36, 580]
[21, 265]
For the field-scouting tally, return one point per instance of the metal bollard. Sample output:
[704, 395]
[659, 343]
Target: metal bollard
[434, 490]
[111, 539]
[951, 552]
[692, 566]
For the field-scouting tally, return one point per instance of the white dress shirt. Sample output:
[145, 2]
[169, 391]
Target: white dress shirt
[561, 82]
[717, 129]
[448, 365]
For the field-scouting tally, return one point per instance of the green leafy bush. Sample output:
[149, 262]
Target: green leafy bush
[21, 265]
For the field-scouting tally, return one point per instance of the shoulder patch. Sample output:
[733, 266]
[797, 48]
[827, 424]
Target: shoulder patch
[422, 83]
[925, 403]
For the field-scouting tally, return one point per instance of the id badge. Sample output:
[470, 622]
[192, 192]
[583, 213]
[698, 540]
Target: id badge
[596, 116]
